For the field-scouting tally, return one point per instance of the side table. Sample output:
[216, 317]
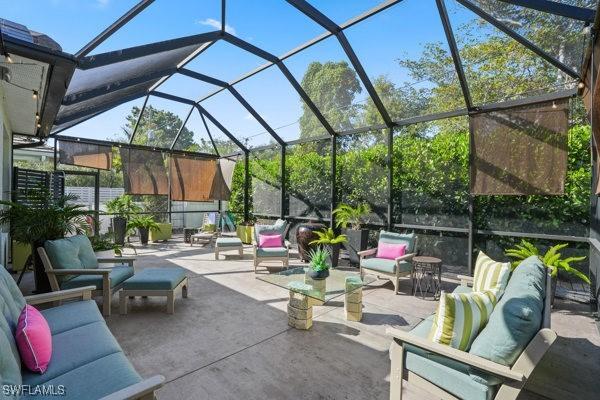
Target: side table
[426, 275]
[187, 233]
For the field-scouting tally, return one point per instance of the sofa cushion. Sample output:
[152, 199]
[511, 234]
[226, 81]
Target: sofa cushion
[118, 275]
[75, 348]
[384, 265]
[399, 238]
[72, 315]
[449, 375]
[13, 301]
[10, 361]
[278, 228]
[95, 379]
[490, 275]
[271, 252]
[516, 318]
[460, 317]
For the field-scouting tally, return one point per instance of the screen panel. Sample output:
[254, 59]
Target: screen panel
[144, 172]
[85, 154]
[308, 181]
[265, 172]
[191, 177]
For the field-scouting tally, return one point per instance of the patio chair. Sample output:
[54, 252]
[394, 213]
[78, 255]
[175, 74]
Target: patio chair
[271, 253]
[501, 358]
[71, 263]
[391, 269]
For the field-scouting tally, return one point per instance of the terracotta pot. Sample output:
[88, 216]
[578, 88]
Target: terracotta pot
[304, 235]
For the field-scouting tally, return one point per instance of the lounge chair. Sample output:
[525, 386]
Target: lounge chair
[392, 269]
[271, 253]
[71, 263]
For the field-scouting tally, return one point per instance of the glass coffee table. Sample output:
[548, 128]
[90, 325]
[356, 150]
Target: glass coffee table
[306, 292]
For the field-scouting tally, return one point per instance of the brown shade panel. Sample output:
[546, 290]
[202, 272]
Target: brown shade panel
[144, 172]
[191, 178]
[521, 151]
[221, 186]
[85, 154]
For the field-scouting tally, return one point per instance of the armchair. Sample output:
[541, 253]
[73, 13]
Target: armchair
[392, 269]
[71, 263]
[271, 253]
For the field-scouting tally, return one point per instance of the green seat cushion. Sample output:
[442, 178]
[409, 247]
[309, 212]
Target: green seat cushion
[155, 279]
[74, 252]
[74, 348]
[384, 265]
[516, 318]
[399, 238]
[272, 252]
[229, 242]
[72, 315]
[95, 379]
[447, 374]
[462, 289]
[118, 275]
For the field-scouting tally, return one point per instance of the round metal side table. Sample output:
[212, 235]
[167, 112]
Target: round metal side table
[426, 276]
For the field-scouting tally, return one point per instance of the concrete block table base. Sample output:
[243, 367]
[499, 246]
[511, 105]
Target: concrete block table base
[162, 282]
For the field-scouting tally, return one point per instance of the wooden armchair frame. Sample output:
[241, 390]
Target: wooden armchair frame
[514, 377]
[143, 390]
[105, 291]
[393, 277]
[284, 259]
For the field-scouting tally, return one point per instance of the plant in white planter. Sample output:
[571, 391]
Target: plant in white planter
[352, 219]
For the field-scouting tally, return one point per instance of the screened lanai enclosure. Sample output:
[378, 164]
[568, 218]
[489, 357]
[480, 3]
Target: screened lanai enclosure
[468, 122]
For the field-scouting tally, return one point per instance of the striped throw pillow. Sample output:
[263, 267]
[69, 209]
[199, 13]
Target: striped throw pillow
[460, 317]
[490, 275]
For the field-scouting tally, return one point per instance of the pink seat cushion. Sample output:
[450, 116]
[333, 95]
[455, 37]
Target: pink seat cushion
[390, 251]
[34, 340]
[270, 241]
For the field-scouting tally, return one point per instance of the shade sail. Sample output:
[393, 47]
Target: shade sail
[144, 172]
[191, 178]
[521, 151]
[221, 186]
[85, 154]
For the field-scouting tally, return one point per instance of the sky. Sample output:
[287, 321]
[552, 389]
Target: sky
[273, 25]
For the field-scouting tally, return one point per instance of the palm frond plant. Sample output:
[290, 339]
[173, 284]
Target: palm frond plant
[319, 262]
[144, 224]
[39, 217]
[329, 239]
[552, 259]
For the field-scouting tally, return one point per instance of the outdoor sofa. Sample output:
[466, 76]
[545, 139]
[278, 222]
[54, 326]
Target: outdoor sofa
[514, 340]
[87, 362]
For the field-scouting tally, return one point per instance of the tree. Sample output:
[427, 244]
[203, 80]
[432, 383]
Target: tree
[332, 86]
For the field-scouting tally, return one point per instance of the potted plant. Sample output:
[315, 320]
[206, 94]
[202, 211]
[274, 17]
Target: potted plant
[245, 231]
[41, 217]
[122, 208]
[328, 238]
[104, 246]
[143, 224]
[552, 259]
[319, 263]
[352, 219]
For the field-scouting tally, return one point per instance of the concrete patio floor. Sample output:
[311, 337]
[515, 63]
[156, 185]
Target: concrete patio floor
[230, 338]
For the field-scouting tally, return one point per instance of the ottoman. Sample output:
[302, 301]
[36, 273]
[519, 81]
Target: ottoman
[154, 282]
[228, 243]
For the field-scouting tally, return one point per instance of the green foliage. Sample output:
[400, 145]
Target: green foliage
[328, 237]
[44, 217]
[346, 215]
[319, 258]
[123, 206]
[143, 222]
[105, 242]
[551, 259]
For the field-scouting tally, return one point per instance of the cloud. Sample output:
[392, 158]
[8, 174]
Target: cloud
[214, 23]
[249, 117]
[102, 3]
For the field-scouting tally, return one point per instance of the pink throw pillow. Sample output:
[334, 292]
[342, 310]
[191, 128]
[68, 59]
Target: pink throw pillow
[34, 340]
[390, 251]
[270, 241]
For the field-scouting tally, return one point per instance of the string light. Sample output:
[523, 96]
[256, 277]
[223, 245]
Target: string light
[37, 116]
[581, 85]
[554, 105]
[34, 94]
[8, 58]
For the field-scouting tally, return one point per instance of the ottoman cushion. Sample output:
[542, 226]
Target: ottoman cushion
[229, 242]
[155, 279]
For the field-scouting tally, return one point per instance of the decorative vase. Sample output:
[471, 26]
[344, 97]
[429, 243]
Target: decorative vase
[143, 235]
[318, 275]
[305, 233]
[119, 229]
[358, 240]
